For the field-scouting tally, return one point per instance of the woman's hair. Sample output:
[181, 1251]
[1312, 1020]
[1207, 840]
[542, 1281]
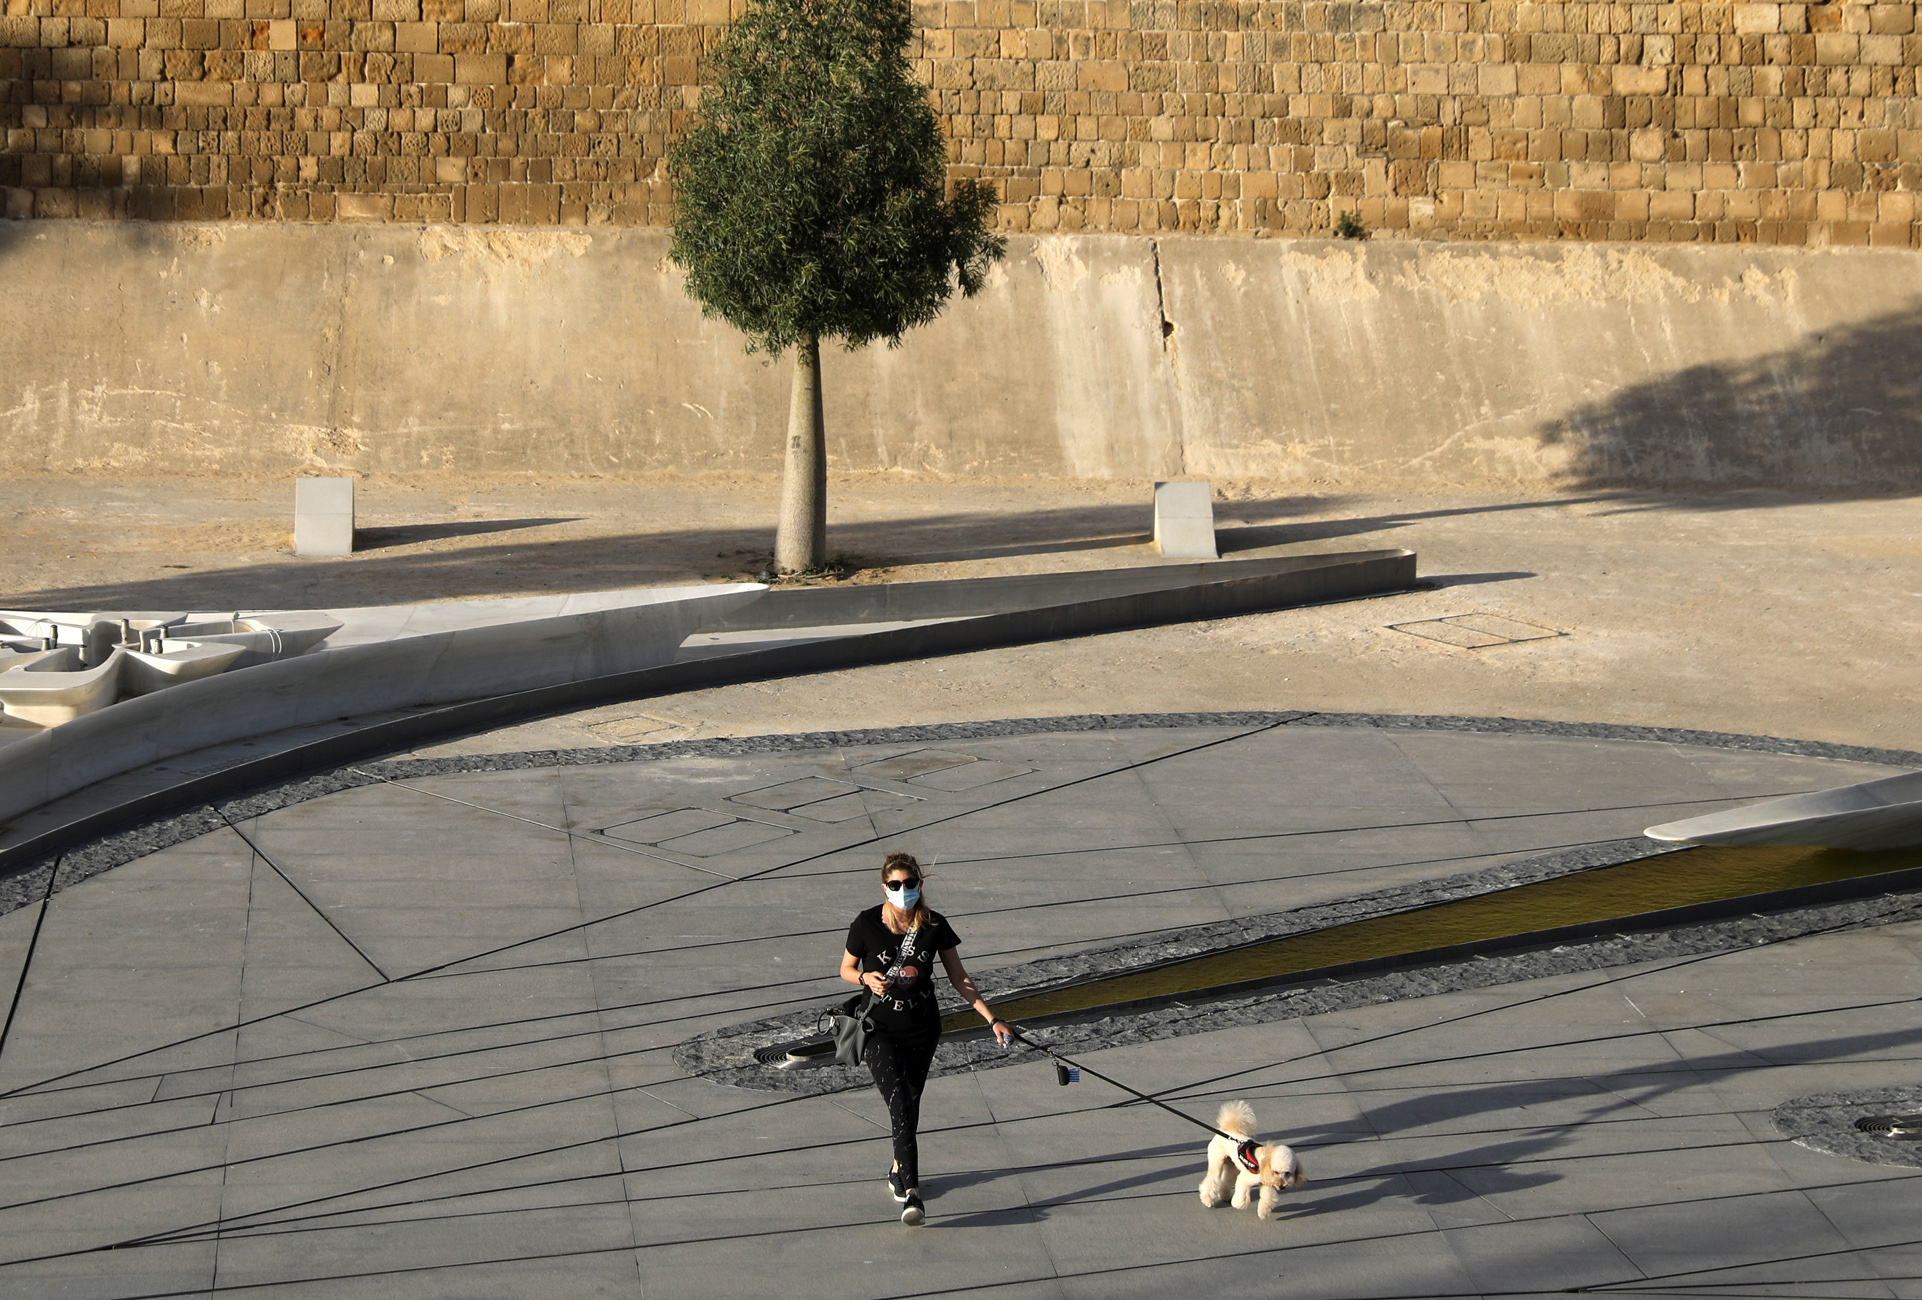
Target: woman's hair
[906, 862]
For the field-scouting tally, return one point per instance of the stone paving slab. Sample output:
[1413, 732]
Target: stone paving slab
[203, 1050]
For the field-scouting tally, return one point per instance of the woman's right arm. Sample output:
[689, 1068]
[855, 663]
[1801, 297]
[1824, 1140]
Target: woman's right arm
[851, 972]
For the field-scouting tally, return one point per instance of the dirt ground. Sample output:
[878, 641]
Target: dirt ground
[1750, 611]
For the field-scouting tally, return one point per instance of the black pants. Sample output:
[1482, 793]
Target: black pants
[900, 1070]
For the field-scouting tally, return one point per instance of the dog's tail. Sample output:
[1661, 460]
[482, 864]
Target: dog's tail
[1235, 1117]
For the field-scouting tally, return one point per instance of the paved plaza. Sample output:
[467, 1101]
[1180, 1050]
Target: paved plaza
[408, 1029]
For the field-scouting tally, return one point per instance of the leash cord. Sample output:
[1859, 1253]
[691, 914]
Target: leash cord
[1043, 1047]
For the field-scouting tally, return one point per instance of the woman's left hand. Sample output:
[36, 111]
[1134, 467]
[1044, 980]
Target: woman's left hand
[1002, 1033]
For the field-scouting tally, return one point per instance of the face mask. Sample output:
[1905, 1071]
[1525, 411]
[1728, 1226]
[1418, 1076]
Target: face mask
[903, 898]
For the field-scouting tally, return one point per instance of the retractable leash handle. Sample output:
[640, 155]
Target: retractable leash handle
[1245, 1148]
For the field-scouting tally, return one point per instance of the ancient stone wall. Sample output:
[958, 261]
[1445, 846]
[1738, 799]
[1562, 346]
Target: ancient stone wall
[1763, 122]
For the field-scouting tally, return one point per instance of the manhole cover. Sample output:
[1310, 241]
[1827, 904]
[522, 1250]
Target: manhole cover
[1856, 1125]
[1476, 631]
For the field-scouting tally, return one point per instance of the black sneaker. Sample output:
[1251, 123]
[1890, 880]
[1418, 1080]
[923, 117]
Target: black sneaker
[915, 1211]
[899, 1192]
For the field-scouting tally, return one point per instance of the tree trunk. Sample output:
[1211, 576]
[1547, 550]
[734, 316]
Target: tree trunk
[802, 540]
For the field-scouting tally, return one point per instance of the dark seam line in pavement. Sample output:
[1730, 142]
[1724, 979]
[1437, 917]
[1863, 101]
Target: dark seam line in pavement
[1038, 906]
[622, 845]
[1743, 1141]
[1326, 830]
[676, 948]
[290, 792]
[297, 1227]
[26, 962]
[280, 1227]
[858, 844]
[522, 1043]
[1611, 977]
[299, 893]
[1652, 1030]
[1352, 830]
[617, 1135]
[1096, 1162]
[355, 1099]
[1684, 1293]
[660, 902]
[1671, 1278]
[440, 1124]
[1338, 1075]
[1057, 1276]
[1715, 1288]
[1629, 1036]
[343, 1071]
[416, 1061]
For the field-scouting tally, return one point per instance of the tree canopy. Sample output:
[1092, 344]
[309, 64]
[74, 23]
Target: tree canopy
[810, 188]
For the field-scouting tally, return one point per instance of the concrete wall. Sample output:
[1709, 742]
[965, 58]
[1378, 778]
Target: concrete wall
[386, 348]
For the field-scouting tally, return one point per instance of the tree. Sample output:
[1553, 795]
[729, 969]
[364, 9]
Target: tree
[810, 204]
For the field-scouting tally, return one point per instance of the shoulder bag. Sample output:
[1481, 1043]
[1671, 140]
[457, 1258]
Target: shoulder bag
[850, 1022]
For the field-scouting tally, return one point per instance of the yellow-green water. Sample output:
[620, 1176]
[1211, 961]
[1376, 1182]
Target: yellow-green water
[1697, 875]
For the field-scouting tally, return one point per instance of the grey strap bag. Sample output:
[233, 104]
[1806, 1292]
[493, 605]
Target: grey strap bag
[850, 1025]
[849, 1022]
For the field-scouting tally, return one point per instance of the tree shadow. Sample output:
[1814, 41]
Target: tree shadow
[389, 571]
[1840, 413]
[1236, 538]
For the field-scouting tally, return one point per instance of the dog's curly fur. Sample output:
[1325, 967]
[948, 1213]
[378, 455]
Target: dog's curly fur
[1278, 1166]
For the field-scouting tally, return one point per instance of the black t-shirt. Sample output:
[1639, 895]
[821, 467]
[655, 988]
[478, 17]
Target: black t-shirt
[906, 1011]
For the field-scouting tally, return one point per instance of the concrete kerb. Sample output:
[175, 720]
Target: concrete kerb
[1142, 598]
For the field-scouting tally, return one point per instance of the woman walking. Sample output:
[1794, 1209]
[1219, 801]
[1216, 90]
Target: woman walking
[890, 952]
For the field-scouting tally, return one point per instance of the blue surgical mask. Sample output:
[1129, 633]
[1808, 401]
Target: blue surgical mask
[903, 898]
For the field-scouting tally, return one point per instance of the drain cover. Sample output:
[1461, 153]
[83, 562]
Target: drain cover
[1881, 1126]
[1476, 631]
[791, 1055]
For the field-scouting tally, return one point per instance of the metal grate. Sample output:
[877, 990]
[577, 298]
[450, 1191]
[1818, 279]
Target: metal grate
[1477, 631]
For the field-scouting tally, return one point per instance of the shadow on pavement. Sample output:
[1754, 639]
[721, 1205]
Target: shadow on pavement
[374, 539]
[387, 571]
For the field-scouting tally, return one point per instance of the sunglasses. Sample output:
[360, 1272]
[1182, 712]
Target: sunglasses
[896, 886]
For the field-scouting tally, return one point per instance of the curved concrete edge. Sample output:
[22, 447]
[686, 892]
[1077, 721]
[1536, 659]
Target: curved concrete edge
[1880, 814]
[1321, 579]
[901, 602]
[407, 671]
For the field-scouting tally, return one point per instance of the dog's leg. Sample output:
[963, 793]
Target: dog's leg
[1242, 1184]
[1212, 1182]
[1265, 1203]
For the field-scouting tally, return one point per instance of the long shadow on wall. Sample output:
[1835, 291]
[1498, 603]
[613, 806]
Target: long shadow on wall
[1840, 414]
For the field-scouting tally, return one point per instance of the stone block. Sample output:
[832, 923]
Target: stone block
[323, 516]
[1185, 521]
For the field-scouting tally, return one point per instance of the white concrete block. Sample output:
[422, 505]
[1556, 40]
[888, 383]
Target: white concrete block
[1185, 521]
[323, 516]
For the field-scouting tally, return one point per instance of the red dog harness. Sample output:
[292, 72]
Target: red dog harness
[1245, 1153]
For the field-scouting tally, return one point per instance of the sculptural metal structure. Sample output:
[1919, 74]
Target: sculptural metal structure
[58, 666]
[1880, 814]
